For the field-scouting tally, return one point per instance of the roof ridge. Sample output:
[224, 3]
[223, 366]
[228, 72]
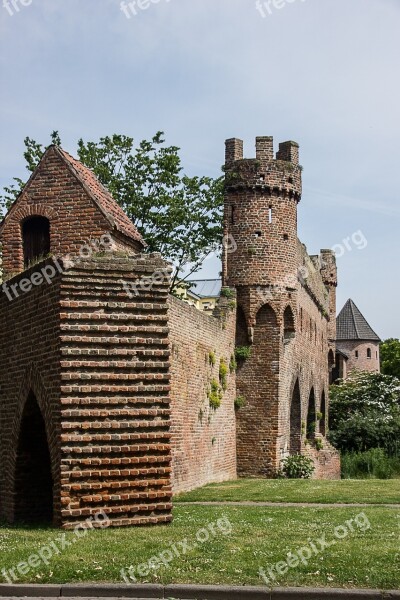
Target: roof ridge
[107, 204]
[352, 306]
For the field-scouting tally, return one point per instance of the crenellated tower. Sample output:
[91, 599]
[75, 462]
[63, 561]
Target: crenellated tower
[261, 213]
[260, 218]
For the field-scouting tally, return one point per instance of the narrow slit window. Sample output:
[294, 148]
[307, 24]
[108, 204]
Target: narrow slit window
[369, 353]
[270, 214]
[232, 215]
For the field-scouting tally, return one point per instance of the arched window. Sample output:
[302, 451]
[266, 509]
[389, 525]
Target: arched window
[36, 239]
[288, 324]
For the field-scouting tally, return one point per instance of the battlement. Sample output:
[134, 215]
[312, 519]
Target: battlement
[280, 172]
[288, 151]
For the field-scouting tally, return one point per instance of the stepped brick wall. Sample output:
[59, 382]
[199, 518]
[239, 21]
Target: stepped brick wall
[203, 438]
[104, 363]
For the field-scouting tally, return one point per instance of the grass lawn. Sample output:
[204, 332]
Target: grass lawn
[259, 537]
[345, 491]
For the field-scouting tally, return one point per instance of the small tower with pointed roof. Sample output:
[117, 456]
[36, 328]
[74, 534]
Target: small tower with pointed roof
[357, 344]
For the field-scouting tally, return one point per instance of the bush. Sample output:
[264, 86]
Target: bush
[242, 352]
[223, 374]
[215, 395]
[228, 293]
[373, 463]
[365, 413]
[240, 401]
[297, 467]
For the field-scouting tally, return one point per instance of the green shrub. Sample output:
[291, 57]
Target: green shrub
[223, 374]
[240, 401]
[319, 444]
[212, 358]
[227, 293]
[232, 364]
[242, 352]
[215, 394]
[297, 467]
[372, 464]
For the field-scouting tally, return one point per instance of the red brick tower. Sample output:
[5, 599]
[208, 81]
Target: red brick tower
[261, 215]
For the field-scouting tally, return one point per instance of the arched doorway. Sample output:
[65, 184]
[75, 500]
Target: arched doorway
[36, 239]
[322, 423]
[33, 500]
[295, 420]
[311, 416]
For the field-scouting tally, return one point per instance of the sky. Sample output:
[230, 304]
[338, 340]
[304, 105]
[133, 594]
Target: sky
[321, 72]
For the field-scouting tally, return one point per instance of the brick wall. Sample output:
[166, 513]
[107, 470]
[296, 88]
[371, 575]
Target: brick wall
[203, 438]
[29, 361]
[98, 365]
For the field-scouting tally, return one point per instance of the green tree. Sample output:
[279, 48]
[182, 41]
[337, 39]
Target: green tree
[365, 413]
[177, 215]
[390, 357]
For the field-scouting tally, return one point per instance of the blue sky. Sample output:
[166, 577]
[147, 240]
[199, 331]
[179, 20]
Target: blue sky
[321, 72]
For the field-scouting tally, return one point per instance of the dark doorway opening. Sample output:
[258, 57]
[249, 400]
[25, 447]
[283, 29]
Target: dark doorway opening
[322, 423]
[311, 416]
[33, 479]
[295, 421]
[36, 239]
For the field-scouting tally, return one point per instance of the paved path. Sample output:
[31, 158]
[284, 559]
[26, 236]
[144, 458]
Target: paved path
[287, 504]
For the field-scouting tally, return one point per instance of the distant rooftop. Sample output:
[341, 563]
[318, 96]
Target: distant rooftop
[352, 325]
[206, 288]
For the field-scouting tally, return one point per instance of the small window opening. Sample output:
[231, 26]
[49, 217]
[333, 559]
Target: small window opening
[356, 353]
[36, 239]
[285, 237]
[270, 214]
[369, 354]
[258, 234]
[232, 215]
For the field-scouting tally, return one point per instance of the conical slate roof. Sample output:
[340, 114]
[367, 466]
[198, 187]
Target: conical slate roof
[352, 325]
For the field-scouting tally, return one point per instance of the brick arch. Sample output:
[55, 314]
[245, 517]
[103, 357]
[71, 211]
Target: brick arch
[266, 316]
[32, 210]
[33, 384]
[13, 257]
